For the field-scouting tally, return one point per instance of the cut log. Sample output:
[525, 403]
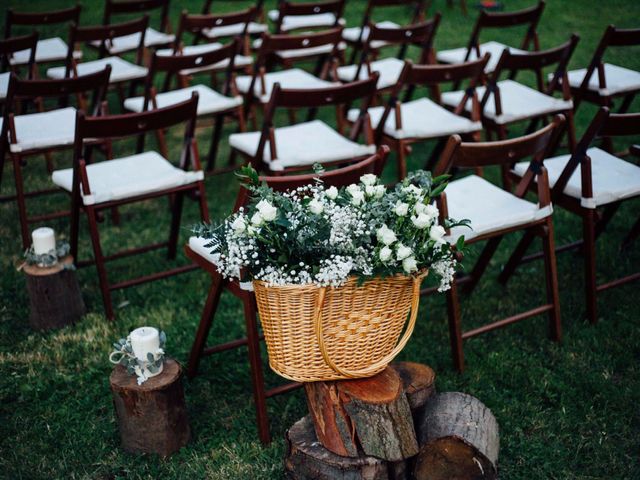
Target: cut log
[369, 416]
[54, 295]
[459, 439]
[152, 417]
[307, 459]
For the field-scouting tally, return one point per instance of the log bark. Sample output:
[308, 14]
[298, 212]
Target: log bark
[54, 295]
[307, 459]
[459, 438]
[152, 417]
[369, 416]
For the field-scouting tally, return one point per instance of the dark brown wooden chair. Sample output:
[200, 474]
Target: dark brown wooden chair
[292, 16]
[358, 37]
[44, 131]
[251, 28]
[495, 212]
[591, 183]
[110, 183]
[300, 146]
[48, 49]
[201, 255]
[211, 103]
[8, 48]
[528, 18]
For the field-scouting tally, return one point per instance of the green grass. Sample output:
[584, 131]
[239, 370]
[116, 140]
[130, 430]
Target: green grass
[565, 411]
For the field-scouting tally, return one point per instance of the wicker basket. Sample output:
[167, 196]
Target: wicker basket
[325, 333]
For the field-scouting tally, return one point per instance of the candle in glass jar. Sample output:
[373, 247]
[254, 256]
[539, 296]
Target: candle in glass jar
[145, 340]
[44, 240]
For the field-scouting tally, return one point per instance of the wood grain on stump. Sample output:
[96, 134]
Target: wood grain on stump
[152, 417]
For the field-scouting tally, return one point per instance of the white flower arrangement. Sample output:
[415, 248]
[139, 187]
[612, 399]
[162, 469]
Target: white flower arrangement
[318, 235]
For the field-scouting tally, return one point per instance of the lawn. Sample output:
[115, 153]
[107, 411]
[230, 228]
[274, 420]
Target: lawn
[565, 411]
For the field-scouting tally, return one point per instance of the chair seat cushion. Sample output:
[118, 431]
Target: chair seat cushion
[47, 50]
[128, 177]
[421, 118]
[291, 78]
[121, 70]
[234, 30]
[352, 34]
[294, 22]
[209, 101]
[519, 102]
[4, 84]
[240, 61]
[488, 207]
[618, 79]
[388, 68]
[302, 52]
[613, 178]
[197, 244]
[127, 43]
[55, 128]
[495, 49]
[302, 145]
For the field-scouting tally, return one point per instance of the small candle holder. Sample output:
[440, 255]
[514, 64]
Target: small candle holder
[141, 353]
[45, 251]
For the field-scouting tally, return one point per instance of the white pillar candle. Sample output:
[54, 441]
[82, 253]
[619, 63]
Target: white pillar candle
[44, 240]
[145, 340]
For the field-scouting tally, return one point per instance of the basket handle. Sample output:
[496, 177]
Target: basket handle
[371, 369]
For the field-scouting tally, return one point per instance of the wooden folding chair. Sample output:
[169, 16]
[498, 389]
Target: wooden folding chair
[300, 146]
[152, 38]
[591, 183]
[211, 104]
[110, 183]
[201, 255]
[49, 49]
[10, 47]
[358, 37]
[495, 212]
[45, 130]
[292, 16]
[420, 35]
[228, 29]
[399, 124]
[528, 17]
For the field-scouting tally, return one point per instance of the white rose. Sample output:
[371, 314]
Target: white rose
[385, 254]
[437, 233]
[370, 190]
[369, 179]
[331, 192]
[357, 197]
[316, 206]
[379, 191]
[268, 211]
[353, 188]
[239, 225]
[401, 208]
[416, 191]
[409, 264]
[421, 220]
[420, 208]
[386, 235]
[257, 219]
[403, 252]
[432, 211]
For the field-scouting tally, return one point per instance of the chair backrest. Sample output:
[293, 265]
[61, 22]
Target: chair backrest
[12, 45]
[66, 15]
[195, 24]
[418, 8]
[297, 9]
[128, 7]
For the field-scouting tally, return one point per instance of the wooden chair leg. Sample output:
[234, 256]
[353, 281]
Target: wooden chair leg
[204, 209]
[482, 263]
[176, 215]
[49, 161]
[215, 142]
[255, 363]
[588, 226]
[515, 258]
[455, 328]
[402, 160]
[551, 274]
[100, 263]
[21, 200]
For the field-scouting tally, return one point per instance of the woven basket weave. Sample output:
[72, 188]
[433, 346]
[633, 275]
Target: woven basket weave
[331, 333]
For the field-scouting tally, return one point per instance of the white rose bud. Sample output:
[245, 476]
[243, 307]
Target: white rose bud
[331, 193]
[416, 191]
[357, 197]
[239, 225]
[421, 221]
[385, 254]
[401, 208]
[353, 188]
[370, 190]
[379, 191]
[420, 208]
[432, 211]
[369, 179]
[409, 264]
[268, 211]
[437, 233]
[316, 206]
[386, 235]
[403, 252]
[257, 219]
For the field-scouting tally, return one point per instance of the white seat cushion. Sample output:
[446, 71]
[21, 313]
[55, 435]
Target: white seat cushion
[47, 50]
[421, 118]
[613, 178]
[619, 80]
[301, 145]
[55, 128]
[488, 207]
[209, 101]
[388, 68]
[352, 34]
[121, 70]
[128, 177]
[126, 43]
[292, 78]
[234, 30]
[240, 61]
[197, 244]
[4, 84]
[456, 55]
[294, 22]
[519, 102]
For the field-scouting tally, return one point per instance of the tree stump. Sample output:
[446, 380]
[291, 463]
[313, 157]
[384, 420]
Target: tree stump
[152, 417]
[54, 295]
[459, 439]
[307, 459]
[369, 416]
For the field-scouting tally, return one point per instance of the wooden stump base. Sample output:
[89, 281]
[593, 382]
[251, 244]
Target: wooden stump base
[54, 295]
[152, 417]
